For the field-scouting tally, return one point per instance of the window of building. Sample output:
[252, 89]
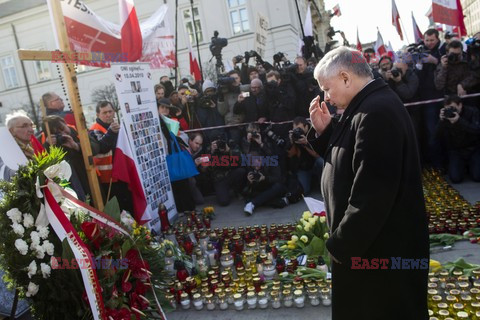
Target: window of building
[238, 16]
[42, 70]
[9, 72]
[187, 18]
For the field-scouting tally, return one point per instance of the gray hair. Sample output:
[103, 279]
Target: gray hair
[342, 59]
[46, 97]
[11, 119]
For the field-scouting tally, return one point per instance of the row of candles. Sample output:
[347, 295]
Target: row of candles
[448, 211]
[273, 294]
[455, 296]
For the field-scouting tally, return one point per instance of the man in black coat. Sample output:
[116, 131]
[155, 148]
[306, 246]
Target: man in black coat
[372, 188]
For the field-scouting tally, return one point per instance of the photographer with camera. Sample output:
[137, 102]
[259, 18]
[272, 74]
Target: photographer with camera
[280, 97]
[226, 178]
[252, 104]
[255, 142]
[66, 136]
[302, 160]
[188, 101]
[426, 63]
[207, 111]
[305, 86]
[453, 74]
[460, 125]
[265, 185]
[229, 88]
[399, 77]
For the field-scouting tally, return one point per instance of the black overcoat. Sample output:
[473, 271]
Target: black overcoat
[373, 194]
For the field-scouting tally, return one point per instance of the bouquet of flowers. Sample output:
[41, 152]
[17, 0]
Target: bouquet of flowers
[127, 262]
[309, 237]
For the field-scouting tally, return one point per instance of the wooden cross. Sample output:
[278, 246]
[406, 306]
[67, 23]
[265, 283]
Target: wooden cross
[74, 96]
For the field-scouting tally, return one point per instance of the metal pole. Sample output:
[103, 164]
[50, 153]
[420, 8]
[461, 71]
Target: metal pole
[299, 18]
[34, 112]
[176, 43]
[196, 39]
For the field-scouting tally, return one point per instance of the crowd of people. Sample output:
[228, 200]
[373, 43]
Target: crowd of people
[259, 114]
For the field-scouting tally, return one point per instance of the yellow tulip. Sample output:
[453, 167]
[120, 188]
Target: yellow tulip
[325, 236]
[307, 227]
[312, 220]
[306, 215]
[291, 246]
[304, 238]
[322, 219]
[294, 238]
[435, 265]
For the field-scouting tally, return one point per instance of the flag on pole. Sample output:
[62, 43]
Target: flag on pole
[379, 45]
[390, 51]
[359, 44]
[416, 30]
[396, 19]
[449, 12]
[194, 67]
[124, 169]
[130, 30]
[336, 10]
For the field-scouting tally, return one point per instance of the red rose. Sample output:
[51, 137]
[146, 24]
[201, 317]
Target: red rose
[138, 267]
[140, 287]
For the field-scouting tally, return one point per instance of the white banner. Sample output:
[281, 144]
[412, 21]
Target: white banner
[134, 87]
[261, 32]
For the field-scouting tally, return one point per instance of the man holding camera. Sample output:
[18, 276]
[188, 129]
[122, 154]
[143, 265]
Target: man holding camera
[225, 177]
[229, 89]
[453, 74]
[426, 66]
[265, 184]
[252, 104]
[400, 78]
[460, 125]
[188, 100]
[207, 111]
[303, 160]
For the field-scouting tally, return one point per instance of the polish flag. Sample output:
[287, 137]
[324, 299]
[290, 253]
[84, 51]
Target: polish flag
[359, 44]
[36, 145]
[396, 19]
[390, 51]
[416, 31]
[194, 67]
[124, 169]
[336, 10]
[449, 12]
[130, 30]
[379, 46]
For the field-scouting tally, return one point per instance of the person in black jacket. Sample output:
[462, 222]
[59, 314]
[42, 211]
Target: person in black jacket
[372, 186]
[426, 67]
[208, 114]
[252, 104]
[265, 183]
[460, 125]
[305, 87]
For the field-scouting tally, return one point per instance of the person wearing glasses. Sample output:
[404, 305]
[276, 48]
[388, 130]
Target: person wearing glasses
[55, 107]
[22, 129]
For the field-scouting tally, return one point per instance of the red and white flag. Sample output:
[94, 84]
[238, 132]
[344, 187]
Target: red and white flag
[89, 32]
[379, 45]
[194, 66]
[131, 36]
[359, 44]
[396, 19]
[416, 31]
[390, 51]
[336, 10]
[449, 12]
[124, 169]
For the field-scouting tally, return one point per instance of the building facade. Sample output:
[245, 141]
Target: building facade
[27, 25]
[471, 12]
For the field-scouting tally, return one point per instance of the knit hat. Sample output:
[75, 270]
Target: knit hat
[207, 84]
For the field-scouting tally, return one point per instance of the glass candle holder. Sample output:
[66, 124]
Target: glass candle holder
[299, 298]
[251, 300]
[210, 302]
[238, 301]
[226, 259]
[313, 296]
[287, 298]
[185, 301]
[275, 299]
[197, 301]
[171, 299]
[269, 270]
[262, 300]
[222, 301]
[326, 297]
